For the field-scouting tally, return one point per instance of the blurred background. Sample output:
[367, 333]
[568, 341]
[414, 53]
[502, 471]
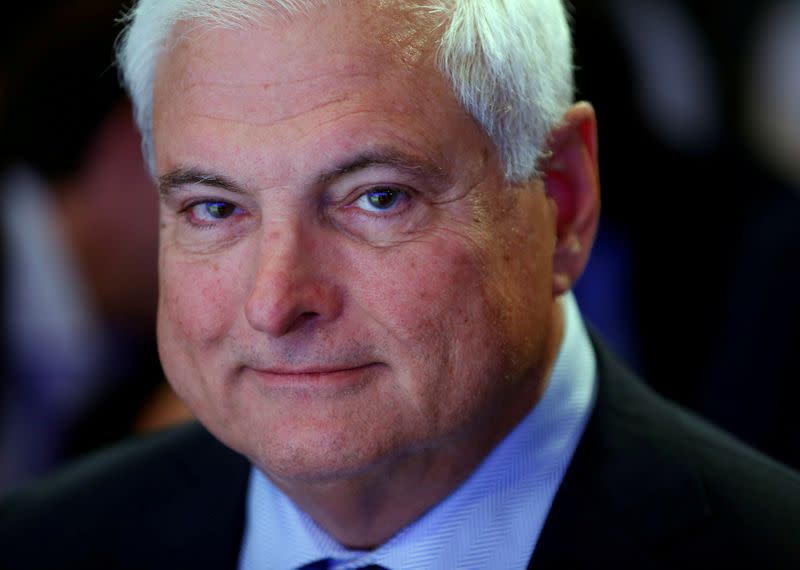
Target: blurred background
[695, 278]
[79, 231]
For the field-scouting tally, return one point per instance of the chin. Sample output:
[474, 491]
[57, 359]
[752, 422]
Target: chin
[321, 466]
[307, 449]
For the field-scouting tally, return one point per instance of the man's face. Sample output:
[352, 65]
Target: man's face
[346, 278]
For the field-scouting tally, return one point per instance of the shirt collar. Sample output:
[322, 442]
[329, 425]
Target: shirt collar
[492, 520]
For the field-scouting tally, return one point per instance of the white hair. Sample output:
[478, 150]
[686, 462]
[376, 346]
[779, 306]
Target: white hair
[509, 62]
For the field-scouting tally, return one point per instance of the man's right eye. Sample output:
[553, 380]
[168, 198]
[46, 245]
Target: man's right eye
[211, 211]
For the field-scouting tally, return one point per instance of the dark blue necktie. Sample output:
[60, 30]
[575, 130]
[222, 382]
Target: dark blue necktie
[318, 565]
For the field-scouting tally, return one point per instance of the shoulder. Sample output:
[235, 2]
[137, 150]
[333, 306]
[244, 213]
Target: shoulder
[652, 485]
[636, 416]
[141, 491]
[739, 504]
[141, 466]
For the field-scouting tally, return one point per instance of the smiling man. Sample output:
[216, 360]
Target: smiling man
[353, 295]
[371, 217]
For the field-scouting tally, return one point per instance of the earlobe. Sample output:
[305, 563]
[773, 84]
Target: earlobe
[572, 184]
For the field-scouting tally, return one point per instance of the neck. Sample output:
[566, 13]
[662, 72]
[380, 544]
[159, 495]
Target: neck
[366, 510]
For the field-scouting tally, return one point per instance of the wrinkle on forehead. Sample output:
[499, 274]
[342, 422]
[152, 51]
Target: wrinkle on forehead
[256, 107]
[249, 115]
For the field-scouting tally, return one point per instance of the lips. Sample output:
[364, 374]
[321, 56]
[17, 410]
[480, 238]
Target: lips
[314, 375]
[320, 370]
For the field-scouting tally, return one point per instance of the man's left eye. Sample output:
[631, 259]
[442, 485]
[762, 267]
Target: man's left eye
[380, 199]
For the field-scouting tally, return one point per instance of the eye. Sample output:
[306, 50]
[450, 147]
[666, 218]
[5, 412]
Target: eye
[380, 199]
[212, 211]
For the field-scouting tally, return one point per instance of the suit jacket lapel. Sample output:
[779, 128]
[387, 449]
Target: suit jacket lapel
[622, 499]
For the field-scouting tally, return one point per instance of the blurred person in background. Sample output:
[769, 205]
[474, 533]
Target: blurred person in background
[690, 191]
[79, 231]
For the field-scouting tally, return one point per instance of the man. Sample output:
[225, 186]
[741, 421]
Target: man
[371, 217]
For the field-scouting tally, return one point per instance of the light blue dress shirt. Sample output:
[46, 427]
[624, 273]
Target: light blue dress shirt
[493, 520]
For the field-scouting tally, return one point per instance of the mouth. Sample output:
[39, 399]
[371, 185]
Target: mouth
[314, 376]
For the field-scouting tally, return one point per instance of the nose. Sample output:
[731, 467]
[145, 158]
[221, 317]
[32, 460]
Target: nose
[291, 288]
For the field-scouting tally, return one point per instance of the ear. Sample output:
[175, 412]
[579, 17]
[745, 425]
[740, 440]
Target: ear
[571, 178]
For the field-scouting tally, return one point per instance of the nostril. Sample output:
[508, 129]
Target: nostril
[303, 318]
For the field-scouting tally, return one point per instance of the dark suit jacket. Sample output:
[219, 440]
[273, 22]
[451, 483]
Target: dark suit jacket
[650, 486]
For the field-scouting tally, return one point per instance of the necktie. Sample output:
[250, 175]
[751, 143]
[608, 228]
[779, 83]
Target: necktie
[318, 565]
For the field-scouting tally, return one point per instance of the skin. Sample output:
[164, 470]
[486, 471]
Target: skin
[365, 359]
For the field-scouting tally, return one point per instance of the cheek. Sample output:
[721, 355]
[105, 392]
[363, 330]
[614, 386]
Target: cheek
[199, 297]
[431, 306]
[418, 290]
[520, 287]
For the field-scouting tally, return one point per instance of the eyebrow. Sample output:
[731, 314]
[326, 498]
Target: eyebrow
[410, 164]
[407, 163]
[174, 179]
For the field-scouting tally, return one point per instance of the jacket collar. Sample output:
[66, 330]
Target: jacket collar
[621, 496]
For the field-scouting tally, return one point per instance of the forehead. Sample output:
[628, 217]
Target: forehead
[295, 53]
[284, 89]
